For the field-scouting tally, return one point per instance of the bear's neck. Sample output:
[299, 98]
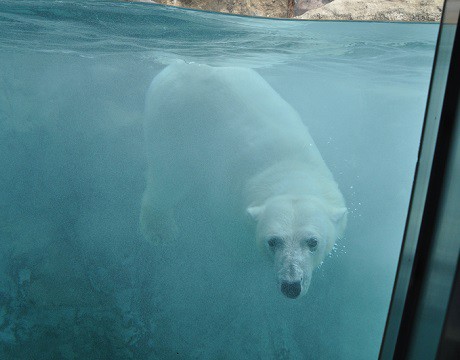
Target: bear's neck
[286, 178]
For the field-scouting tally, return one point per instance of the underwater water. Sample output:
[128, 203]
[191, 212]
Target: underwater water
[77, 279]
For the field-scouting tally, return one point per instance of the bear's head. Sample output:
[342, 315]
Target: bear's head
[297, 234]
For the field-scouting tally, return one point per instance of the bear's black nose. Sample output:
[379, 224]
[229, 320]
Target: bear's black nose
[291, 289]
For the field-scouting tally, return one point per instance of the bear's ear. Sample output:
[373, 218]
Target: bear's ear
[337, 214]
[255, 211]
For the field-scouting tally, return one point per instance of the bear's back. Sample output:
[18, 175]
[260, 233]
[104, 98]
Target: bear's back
[228, 120]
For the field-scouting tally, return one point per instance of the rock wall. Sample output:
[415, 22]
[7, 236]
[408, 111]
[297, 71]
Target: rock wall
[368, 10]
[302, 6]
[266, 8]
[378, 10]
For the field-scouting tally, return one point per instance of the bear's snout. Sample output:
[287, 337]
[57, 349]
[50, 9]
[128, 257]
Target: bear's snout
[291, 289]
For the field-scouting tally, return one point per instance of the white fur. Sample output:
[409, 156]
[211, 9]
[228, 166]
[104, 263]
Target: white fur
[226, 134]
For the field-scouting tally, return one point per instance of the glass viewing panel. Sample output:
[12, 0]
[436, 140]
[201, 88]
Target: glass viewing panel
[233, 256]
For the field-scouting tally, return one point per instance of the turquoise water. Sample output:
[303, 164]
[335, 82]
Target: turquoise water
[78, 281]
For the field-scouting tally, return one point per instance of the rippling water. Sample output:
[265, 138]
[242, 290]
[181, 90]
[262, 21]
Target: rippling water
[76, 278]
[158, 33]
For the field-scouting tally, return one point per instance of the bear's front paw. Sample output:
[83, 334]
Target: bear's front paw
[157, 226]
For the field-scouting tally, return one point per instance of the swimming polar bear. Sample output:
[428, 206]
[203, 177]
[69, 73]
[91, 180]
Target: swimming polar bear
[225, 134]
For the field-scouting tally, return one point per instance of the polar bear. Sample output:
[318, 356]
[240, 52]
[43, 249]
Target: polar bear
[225, 134]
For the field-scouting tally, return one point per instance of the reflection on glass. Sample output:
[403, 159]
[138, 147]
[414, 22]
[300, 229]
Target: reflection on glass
[74, 265]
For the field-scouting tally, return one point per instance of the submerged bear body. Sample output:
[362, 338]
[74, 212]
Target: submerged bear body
[226, 134]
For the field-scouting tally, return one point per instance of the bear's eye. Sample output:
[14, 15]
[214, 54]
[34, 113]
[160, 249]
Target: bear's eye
[312, 243]
[274, 243]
